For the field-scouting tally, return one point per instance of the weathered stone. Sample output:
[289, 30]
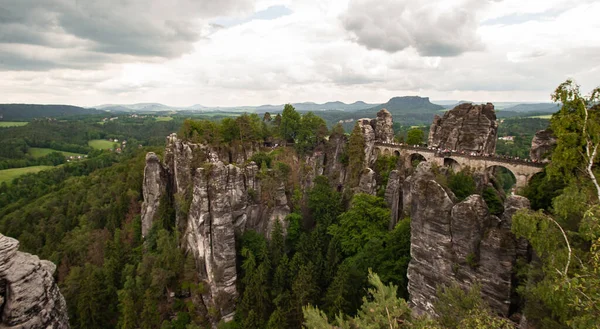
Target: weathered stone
[393, 196]
[459, 243]
[470, 219]
[366, 127]
[222, 200]
[542, 144]
[367, 183]
[384, 131]
[30, 297]
[155, 185]
[467, 127]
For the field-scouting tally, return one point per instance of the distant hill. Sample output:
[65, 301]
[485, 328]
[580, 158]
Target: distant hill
[139, 107]
[18, 112]
[302, 107]
[406, 105]
[538, 107]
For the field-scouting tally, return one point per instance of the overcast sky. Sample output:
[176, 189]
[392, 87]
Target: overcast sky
[252, 52]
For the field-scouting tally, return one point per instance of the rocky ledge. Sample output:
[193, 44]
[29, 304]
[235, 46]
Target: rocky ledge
[29, 297]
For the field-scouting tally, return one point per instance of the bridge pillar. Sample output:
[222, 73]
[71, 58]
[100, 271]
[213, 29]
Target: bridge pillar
[522, 180]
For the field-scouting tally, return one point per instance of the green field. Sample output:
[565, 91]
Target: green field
[38, 152]
[7, 175]
[102, 144]
[547, 116]
[5, 124]
[164, 118]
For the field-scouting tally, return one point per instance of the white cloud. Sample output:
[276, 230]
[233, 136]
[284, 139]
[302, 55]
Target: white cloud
[309, 55]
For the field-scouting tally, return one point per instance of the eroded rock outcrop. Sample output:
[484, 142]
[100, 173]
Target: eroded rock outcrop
[366, 127]
[155, 187]
[29, 297]
[217, 194]
[379, 129]
[467, 127]
[542, 144]
[384, 131]
[457, 242]
[367, 183]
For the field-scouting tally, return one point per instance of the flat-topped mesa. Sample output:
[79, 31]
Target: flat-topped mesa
[29, 297]
[467, 127]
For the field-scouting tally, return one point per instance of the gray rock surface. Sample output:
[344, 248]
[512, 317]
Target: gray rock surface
[366, 127]
[393, 196]
[468, 127]
[155, 186]
[367, 183]
[543, 142]
[214, 202]
[458, 242]
[384, 131]
[30, 297]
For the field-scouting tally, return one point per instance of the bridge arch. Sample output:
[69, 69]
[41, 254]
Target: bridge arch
[504, 176]
[387, 152]
[397, 153]
[416, 158]
[452, 164]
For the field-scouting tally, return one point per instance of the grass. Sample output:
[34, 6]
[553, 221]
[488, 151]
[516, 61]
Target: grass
[38, 152]
[546, 116]
[6, 124]
[7, 175]
[164, 118]
[101, 144]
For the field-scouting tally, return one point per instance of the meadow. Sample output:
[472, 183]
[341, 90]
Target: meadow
[101, 144]
[7, 175]
[6, 124]
[38, 152]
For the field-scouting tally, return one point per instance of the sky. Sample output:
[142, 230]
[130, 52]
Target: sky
[253, 52]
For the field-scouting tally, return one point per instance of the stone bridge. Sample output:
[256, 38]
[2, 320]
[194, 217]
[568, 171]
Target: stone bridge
[522, 170]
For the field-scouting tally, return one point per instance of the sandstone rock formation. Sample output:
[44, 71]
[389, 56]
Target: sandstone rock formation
[368, 132]
[155, 186]
[367, 183]
[384, 132]
[379, 129]
[457, 242]
[214, 201]
[29, 297]
[393, 195]
[467, 127]
[543, 142]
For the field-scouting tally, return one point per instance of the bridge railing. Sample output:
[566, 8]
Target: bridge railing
[446, 154]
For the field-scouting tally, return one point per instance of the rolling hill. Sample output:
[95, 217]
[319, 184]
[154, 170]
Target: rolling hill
[16, 112]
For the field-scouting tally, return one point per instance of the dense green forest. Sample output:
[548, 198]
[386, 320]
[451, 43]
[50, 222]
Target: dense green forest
[339, 265]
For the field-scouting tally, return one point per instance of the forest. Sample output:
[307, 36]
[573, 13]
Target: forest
[340, 265]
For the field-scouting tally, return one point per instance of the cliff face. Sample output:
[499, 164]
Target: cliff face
[219, 193]
[155, 187]
[29, 297]
[467, 127]
[457, 242]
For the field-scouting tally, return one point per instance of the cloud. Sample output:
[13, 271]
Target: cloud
[139, 28]
[433, 28]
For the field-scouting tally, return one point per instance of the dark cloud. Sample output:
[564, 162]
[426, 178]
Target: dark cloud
[431, 27]
[139, 28]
